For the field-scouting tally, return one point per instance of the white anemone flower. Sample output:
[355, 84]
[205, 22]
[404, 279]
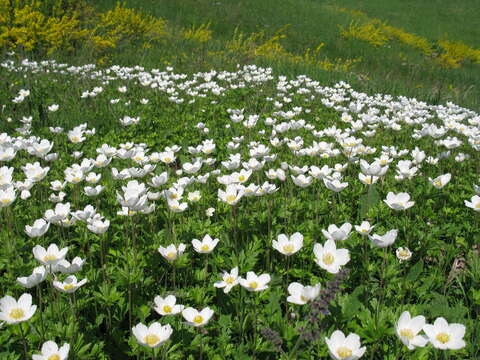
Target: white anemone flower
[70, 284]
[288, 246]
[51, 351]
[301, 295]
[14, 312]
[384, 240]
[330, 258]
[205, 246]
[337, 233]
[400, 201]
[50, 256]
[197, 318]
[39, 228]
[440, 181]
[344, 348]
[38, 275]
[167, 306]
[445, 336]
[171, 252]
[407, 329]
[254, 282]
[232, 194]
[364, 228]
[153, 336]
[229, 280]
[474, 203]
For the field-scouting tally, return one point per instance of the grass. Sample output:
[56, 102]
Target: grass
[395, 68]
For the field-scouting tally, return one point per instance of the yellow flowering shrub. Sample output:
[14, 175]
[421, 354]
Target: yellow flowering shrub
[49, 26]
[258, 45]
[200, 34]
[456, 53]
[30, 29]
[122, 24]
[371, 32]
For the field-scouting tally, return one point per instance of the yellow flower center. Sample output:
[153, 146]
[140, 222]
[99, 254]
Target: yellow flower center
[438, 183]
[241, 178]
[232, 198]
[174, 196]
[17, 313]
[344, 352]
[151, 339]
[288, 249]
[328, 259]
[403, 253]
[68, 287]
[5, 201]
[253, 285]
[54, 357]
[303, 298]
[167, 160]
[443, 338]
[48, 258]
[205, 248]
[76, 179]
[138, 158]
[167, 309]
[198, 319]
[131, 212]
[171, 255]
[477, 205]
[368, 180]
[230, 280]
[408, 333]
[75, 139]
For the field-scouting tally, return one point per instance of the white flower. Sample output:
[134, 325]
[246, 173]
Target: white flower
[171, 252]
[69, 268]
[407, 329]
[209, 212]
[39, 228]
[255, 283]
[197, 318]
[403, 254]
[384, 240]
[97, 225]
[51, 351]
[167, 305]
[50, 256]
[445, 336]
[330, 258]
[440, 181]
[152, 336]
[367, 179]
[337, 233]
[53, 107]
[474, 203]
[70, 284]
[364, 228]
[194, 196]
[7, 196]
[344, 348]
[288, 246]
[398, 201]
[14, 312]
[205, 246]
[232, 194]
[229, 280]
[302, 180]
[38, 275]
[335, 184]
[301, 295]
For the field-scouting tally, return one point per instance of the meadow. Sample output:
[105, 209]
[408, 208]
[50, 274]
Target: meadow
[230, 180]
